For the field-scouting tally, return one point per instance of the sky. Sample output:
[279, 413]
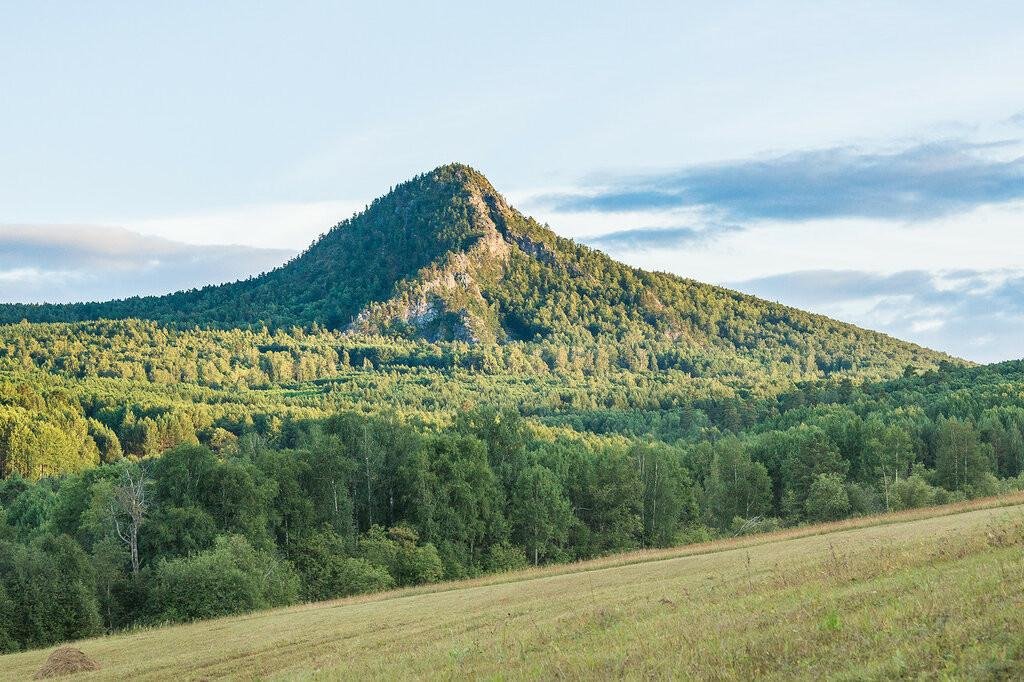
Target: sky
[862, 160]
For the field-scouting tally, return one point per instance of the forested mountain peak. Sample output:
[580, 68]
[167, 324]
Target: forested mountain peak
[444, 257]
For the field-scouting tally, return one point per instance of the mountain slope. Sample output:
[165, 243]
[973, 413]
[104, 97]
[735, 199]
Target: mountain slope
[444, 257]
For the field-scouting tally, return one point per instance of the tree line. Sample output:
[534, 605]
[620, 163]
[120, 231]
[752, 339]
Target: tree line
[351, 504]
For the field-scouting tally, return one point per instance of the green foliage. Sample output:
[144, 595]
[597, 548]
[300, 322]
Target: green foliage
[742, 526]
[397, 550]
[503, 557]
[177, 532]
[233, 577]
[827, 499]
[327, 573]
[961, 460]
[49, 588]
[443, 257]
[811, 455]
[911, 493]
[490, 394]
[737, 487]
[540, 514]
[8, 643]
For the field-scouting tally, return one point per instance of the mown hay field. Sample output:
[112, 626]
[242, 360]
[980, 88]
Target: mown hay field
[930, 593]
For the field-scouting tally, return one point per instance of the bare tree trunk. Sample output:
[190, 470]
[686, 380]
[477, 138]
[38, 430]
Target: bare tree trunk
[130, 501]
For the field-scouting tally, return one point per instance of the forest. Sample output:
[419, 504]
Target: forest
[441, 388]
[132, 497]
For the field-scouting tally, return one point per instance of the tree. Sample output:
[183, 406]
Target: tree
[291, 511]
[237, 495]
[539, 512]
[127, 504]
[397, 549]
[505, 434]
[606, 495]
[176, 531]
[737, 486]
[668, 498]
[327, 477]
[52, 587]
[888, 455]
[961, 460]
[811, 454]
[468, 510]
[181, 476]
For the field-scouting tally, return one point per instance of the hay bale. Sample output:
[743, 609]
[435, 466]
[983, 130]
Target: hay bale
[66, 661]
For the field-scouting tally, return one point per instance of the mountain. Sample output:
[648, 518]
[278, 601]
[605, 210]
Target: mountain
[444, 257]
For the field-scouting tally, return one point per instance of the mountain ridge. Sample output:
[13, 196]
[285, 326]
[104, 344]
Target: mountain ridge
[444, 257]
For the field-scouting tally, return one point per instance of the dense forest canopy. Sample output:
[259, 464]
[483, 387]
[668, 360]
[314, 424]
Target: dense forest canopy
[174, 506]
[439, 388]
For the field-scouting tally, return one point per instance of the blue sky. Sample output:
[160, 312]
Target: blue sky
[862, 160]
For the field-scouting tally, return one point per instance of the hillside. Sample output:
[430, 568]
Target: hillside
[444, 257]
[932, 593]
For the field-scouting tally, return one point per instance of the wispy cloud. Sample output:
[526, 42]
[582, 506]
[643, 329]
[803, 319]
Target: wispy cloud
[61, 263]
[918, 182]
[646, 238]
[273, 225]
[972, 313]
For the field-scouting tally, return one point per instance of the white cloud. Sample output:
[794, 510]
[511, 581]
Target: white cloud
[277, 225]
[982, 319]
[65, 263]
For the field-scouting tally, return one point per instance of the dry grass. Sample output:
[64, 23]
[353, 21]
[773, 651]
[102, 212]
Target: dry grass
[929, 593]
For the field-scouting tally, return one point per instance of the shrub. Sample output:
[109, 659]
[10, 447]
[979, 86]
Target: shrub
[50, 592]
[911, 493]
[358, 576]
[233, 577]
[827, 499]
[407, 562]
[7, 641]
[327, 572]
[504, 557]
[986, 485]
[864, 500]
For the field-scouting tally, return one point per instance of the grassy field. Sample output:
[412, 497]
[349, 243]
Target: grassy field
[924, 594]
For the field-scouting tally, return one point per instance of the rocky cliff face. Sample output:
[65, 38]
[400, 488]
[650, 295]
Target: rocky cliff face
[445, 300]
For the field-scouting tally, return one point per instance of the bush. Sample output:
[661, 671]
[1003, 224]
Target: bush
[911, 493]
[694, 534]
[50, 592]
[327, 572]
[7, 641]
[863, 499]
[407, 562]
[358, 576]
[827, 499]
[986, 485]
[230, 578]
[1009, 485]
[504, 558]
